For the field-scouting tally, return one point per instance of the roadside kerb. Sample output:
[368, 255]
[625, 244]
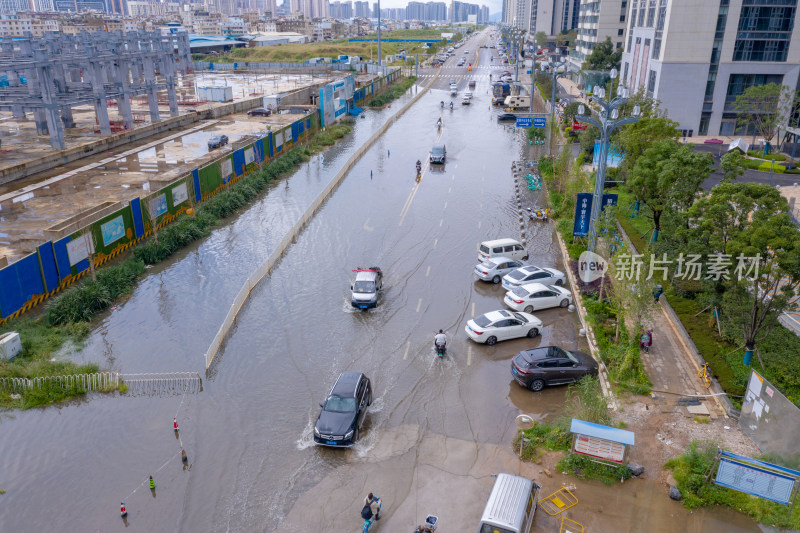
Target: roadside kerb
[275, 256]
[697, 360]
[590, 337]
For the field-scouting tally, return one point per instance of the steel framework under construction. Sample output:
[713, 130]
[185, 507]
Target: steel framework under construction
[48, 76]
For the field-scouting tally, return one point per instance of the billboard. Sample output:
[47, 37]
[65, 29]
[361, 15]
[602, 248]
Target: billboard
[755, 477]
[333, 99]
[583, 211]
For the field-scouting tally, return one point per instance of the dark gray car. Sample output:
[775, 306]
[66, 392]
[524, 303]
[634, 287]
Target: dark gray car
[551, 365]
[438, 154]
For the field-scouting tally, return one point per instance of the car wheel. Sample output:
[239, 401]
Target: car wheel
[496, 280]
[564, 303]
[529, 309]
[356, 435]
[536, 385]
[559, 282]
[525, 258]
[533, 332]
[491, 341]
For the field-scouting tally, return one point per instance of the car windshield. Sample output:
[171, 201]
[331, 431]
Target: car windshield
[519, 291]
[572, 357]
[518, 274]
[520, 317]
[555, 290]
[488, 265]
[364, 286]
[438, 150]
[484, 249]
[337, 404]
[482, 321]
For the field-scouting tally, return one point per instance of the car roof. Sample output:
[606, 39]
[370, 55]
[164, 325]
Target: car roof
[366, 276]
[534, 287]
[530, 269]
[346, 383]
[493, 316]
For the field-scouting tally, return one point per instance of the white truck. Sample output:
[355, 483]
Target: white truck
[517, 102]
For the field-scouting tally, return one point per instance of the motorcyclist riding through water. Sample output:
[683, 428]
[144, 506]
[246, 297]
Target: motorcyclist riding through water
[440, 341]
[419, 166]
[439, 123]
[441, 104]
[451, 106]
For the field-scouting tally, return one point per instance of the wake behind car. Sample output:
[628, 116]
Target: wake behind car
[502, 325]
[535, 296]
[366, 287]
[217, 141]
[550, 365]
[533, 274]
[343, 412]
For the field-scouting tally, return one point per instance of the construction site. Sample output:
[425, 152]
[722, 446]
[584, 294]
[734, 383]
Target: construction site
[88, 123]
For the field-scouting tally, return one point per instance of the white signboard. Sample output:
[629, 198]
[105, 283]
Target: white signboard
[279, 139]
[600, 448]
[249, 156]
[179, 195]
[226, 167]
[79, 249]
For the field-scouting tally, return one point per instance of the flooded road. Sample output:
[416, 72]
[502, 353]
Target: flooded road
[248, 435]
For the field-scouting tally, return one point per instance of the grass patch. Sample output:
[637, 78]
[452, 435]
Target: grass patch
[584, 401]
[66, 317]
[582, 467]
[392, 93]
[690, 470]
[769, 157]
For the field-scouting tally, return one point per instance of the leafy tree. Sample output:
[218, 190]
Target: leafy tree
[541, 38]
[649, 107]
[603, 57]
[586, 139]
[749, 220]
[567, 38]
[634, 139]
[666, 177]
[766, 108]
[732, 165]
[570, 111]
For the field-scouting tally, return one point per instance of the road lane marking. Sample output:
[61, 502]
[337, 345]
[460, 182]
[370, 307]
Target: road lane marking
[473, 309]
[445, 204]
[435, 242]
[479, 224]
[367, 227]
[441, 221]
[469, 355]
[405, 355]
[449, 190]
[419, 304]
[428, 272]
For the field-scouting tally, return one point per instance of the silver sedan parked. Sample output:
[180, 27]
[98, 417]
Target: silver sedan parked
[495, 268]
[533, 274]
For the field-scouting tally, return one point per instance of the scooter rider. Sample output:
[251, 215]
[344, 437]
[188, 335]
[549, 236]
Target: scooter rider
[374, 504]
[440, 340]
[451, 106]
[419, 166]
[441, 104]
[439, 123]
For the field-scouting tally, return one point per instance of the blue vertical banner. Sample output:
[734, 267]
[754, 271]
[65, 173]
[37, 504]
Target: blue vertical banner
[609, 199]
[583, 212]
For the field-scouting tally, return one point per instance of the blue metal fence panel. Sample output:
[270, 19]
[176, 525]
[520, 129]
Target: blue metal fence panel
[271, 146]
[308, 123]
[47, 258]
[62, 258]
[295, 133]
[198, 194]
[19, 282]
[238, 162]
[258, 150]
[136, 212]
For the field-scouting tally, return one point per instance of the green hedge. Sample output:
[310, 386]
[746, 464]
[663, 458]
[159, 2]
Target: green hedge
[392, 93]
[766, 166]
[760, 155]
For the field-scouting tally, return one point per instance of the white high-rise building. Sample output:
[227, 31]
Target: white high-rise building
[697, 57]
[601, 19]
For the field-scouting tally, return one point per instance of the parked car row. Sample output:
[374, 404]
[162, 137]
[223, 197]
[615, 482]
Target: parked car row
[529, 288]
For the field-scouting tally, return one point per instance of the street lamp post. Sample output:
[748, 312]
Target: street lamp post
[607, 122]
[554, 74]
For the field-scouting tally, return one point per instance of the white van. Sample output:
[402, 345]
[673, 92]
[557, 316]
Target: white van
[501, 248]
[511, 505]
[516, 101]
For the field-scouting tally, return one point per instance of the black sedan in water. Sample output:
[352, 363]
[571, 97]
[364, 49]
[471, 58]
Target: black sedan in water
[551, 365]
[343, 412]
[506, 116]
[217, 141]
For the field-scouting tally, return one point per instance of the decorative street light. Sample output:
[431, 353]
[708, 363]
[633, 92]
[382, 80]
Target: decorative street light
[607, 122]
[552, 67]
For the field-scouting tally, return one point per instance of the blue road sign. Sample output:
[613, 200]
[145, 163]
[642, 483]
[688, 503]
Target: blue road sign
[609, 199]
[525, 122]
[539, 122]
[583, 211]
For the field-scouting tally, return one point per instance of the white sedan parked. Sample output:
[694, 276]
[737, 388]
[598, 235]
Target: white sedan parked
[502, 325]
[533, 274]
[495, 268]
[535, 296]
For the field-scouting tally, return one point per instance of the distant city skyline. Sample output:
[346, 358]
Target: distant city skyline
[495, 6]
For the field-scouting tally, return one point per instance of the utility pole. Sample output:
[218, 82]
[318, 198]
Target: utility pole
[379, 35]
